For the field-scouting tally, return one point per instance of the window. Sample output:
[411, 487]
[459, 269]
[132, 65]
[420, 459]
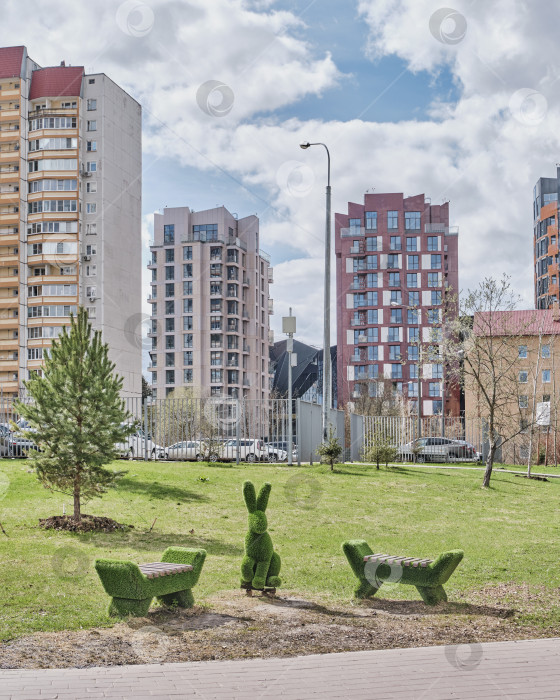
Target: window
[413, 262]
[411, 279]
[170, 272]
[373, 353]
[433, 242]
[413, 371]
[169, 234]
[413, 334]
[433, 316]
[187, 306]
[91, 105]
[216, 359]
[396, 316]
[437, 371]
[169, 342]
[433, 279]
[412, 244]
[372, 315]
[392, 219]
[523, 377]
[91, 146]
[546, 376]
[91, 292]
[414, 298]
[412, 220]
[187, 270]
[215, 340]
[522, 351]
[187, 323]
[395, 297]
[433, 389]
[393, 334]
[187, 288]
[91, 187]
[169, 255]
[170, 359]
[412, 316]
[394, 279]
[435, 262]
[205, 232]
[92, 125]
[371, 279]
[371, 244]
[437, 407]
[170, 290]
[413, 352]
[187, 340]
[215, 323]
[91, 270]
[523, 401]
[187, 357]
[355, 225]
[215, 287]
[436, 298]
[91, 208]
[395, 243]
[216, 375]
[170, 376]
[394, 352]
[187, 252]
[169, 308]
[412, 388]
[371, 220]
[91, 166]
[169, 325]
[187, 376]
[91, 229]
[545, 351]
[396, 371]
[392, 261]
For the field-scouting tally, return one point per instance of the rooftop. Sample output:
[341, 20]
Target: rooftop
[11, 59]
[56, 82]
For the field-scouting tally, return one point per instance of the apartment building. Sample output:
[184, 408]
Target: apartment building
[396, 264]
[210, 305]
[545, 227]
[70, 197]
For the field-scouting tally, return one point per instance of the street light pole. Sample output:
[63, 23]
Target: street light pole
[327, 383]
[289, 328]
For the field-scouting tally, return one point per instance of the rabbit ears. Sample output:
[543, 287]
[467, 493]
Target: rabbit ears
[253, 501]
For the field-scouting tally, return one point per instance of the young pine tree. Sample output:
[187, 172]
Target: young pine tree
[76, 411]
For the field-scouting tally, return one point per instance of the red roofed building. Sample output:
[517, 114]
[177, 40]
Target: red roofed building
[70, 219]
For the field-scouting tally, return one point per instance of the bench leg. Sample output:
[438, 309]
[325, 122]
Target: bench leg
[122, 607]
[365, 590]
[182, 599]
[432, 595]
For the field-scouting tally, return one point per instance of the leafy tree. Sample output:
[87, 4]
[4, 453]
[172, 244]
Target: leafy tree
[330, 449]
[146, 389]
[76, 414]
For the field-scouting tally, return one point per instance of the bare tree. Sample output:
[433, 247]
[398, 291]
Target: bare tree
[481, 349]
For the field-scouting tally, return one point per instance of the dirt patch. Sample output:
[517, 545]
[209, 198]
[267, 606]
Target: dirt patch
[88, 523]
[233, 626]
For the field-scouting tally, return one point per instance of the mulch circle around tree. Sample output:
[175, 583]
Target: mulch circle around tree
[88, 523]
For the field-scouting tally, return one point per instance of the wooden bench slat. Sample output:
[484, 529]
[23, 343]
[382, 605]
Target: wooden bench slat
[394, 559]
[158, 569]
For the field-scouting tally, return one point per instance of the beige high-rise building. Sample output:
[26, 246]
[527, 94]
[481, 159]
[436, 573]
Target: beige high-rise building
[210, 305]
[70, 217]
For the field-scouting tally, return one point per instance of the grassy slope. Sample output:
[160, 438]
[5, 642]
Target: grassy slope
[509, 533]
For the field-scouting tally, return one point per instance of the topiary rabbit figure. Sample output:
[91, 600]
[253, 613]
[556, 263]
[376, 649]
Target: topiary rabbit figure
[261, 564]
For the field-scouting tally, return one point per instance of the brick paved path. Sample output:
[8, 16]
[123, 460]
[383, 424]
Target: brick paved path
[523, 670]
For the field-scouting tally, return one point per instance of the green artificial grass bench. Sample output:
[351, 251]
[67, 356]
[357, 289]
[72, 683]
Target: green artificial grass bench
[428, 575]
[133, 586]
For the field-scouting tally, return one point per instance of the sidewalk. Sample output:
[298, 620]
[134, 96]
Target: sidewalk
[526, 670]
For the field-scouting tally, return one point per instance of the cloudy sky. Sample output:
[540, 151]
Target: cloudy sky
[460, 103]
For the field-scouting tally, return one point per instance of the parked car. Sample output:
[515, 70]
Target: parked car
[283, 445]
[276, 454]
[249, 450]
[139, 444]
[188, 450]
[438, 449]
[14, 444]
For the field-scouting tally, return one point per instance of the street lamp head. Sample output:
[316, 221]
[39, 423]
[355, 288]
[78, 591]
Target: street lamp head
[304, 145]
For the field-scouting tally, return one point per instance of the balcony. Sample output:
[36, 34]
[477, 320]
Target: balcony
[152, 299]
[359, 249]
[264, 256]
[352, 232]
[271, 337]
[357, 358]
[246, 382]
[270, 275]
[246, 281]
[358, 321]
[362, 340]
[361, 284]
[246, 348]
[271, 306]
[245, 314]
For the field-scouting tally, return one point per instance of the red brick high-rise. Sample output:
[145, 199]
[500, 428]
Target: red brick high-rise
[396, 262]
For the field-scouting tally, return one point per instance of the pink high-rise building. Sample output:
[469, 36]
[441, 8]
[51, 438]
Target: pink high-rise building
[397, 262]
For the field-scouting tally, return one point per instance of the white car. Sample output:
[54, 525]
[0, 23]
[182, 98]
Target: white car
[138, 446]
[275, 454]
[188, 450]
[249, 450]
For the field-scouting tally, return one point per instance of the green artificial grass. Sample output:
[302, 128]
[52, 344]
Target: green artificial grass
[510, 532]
[261, 564]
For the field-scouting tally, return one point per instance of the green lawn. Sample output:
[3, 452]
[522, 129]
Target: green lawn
[510, 532]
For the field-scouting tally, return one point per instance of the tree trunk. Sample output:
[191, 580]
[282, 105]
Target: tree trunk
[332, 465]
[77, 503]
[489, 464]
[378, 461]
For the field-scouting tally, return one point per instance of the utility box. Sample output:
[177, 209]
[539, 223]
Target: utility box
[288, 324]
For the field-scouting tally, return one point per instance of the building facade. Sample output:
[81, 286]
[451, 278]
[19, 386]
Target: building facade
[397, 264]
[307, 375]
[545, 229]
[210, 305]
[70, 208]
